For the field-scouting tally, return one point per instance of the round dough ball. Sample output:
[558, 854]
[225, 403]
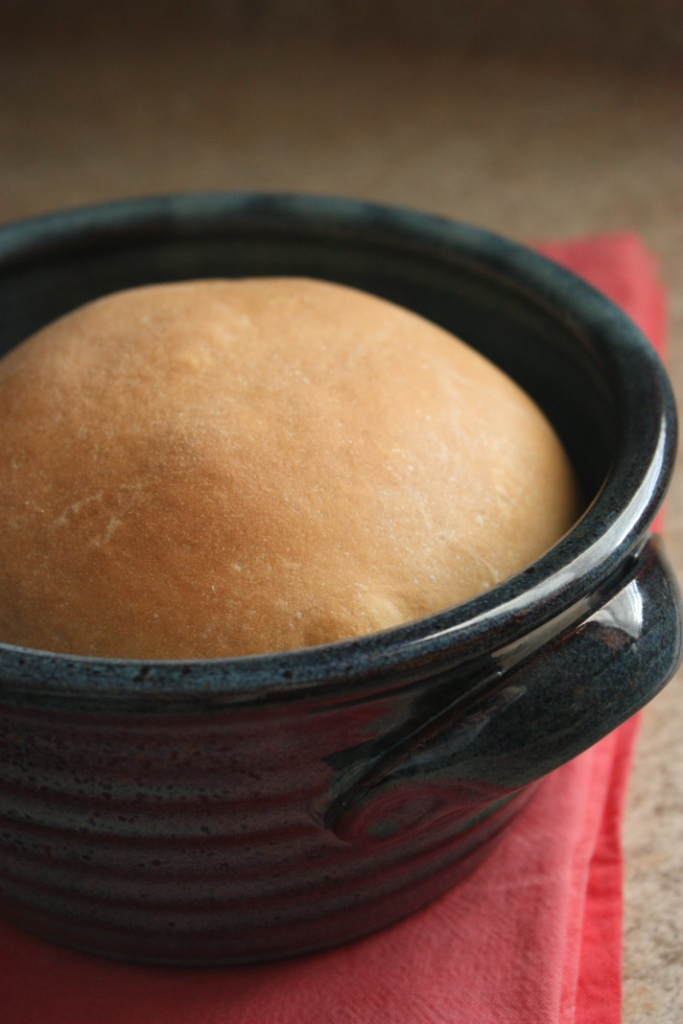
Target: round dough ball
[221, 468]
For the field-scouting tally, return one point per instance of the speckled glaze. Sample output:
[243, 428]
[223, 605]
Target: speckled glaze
[245, 809]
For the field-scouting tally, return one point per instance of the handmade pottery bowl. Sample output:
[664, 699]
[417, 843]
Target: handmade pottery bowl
[235, 810]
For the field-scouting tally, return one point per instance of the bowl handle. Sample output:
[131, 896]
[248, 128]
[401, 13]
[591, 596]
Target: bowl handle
[584, 682]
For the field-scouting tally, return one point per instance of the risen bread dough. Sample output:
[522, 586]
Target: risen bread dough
[231, 467]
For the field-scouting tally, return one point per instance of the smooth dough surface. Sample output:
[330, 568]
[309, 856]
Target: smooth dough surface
[222, 468]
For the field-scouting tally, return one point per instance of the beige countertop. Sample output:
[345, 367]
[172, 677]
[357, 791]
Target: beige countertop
[532, 150]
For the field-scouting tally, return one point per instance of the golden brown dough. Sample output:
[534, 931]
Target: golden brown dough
[230, 467]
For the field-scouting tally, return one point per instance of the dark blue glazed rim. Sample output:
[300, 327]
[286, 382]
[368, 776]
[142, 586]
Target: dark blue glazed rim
[575, 574]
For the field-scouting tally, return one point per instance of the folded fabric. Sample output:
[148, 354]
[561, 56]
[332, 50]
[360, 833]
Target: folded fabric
[533, 936]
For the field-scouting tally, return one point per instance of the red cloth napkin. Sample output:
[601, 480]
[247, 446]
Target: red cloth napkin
[532, 937]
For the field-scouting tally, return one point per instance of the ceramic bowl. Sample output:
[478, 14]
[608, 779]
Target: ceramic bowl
[226, 811]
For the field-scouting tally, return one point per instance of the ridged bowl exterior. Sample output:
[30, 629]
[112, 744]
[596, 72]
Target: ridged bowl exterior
[190, 839]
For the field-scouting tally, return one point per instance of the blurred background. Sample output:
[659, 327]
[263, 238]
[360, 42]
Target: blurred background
[541, 119]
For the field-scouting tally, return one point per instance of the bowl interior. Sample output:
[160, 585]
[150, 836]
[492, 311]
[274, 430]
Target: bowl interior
[514, 329]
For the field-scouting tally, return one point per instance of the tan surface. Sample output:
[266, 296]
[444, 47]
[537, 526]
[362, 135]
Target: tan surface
[223, 468]
[531, 151]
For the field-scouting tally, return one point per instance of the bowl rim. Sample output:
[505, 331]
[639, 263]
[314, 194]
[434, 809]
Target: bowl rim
[592, 552]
